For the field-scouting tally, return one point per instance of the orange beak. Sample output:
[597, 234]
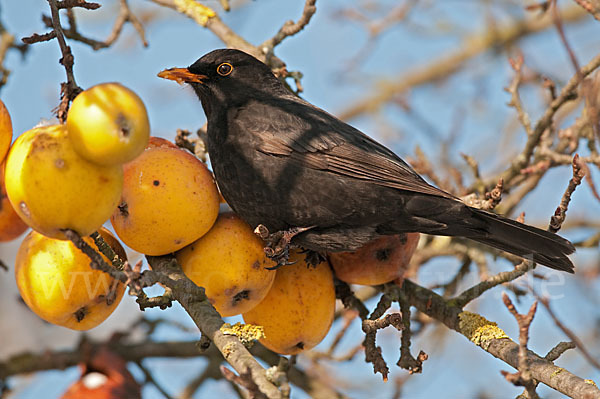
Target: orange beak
[182, 75]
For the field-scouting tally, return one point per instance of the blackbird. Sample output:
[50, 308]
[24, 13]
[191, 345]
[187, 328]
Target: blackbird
[291, 168]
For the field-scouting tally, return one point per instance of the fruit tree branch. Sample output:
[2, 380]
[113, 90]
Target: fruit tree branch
[290, 28]
[206, 318]
[69, 90]
[591, 6]
[125, 15]
[523, 376]
[493, 340]
[560, 214]
[491, 39]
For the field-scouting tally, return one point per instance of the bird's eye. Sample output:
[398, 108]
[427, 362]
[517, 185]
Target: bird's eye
[224, 69]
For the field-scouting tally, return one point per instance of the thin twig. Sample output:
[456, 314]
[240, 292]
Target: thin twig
[474, 292]
[407, 361]
[150, 379]
[290, 28]
[493, 340]
[344, 293]
[558, 350]
[372, 351]
[70, 89]
[513, 89]
[125, 15]
[560, 214]
[489, 40]
[523, 376]
[591, 359]
[77, 3]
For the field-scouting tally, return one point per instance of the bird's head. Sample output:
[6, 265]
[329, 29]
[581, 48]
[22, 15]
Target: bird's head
[226, 77]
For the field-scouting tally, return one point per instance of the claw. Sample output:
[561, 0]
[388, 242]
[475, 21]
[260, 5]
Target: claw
[282, 258]
[278, 243]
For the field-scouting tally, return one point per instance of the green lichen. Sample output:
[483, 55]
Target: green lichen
[478, 329]
[591, 382]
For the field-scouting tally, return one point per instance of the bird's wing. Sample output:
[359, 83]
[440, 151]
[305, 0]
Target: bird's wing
[318, 140]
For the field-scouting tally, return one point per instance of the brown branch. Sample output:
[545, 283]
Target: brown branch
[470, 294]
[290, 28]
[560, 214]
[375, 28]
[70, 89]
[372, 351]
[149, 379]
[385, 302]
[558, 350]
[77, 3]
[36, 38]
[317, 386]
[211, 371]
[407, 361]
[491, 339]
[523, 376]
[490, 39]
[568, 92]
[206, 318]
[348, 317]
[515, 99]
[493, 198]
[591, 6]
[222, 31]
[344, 293]
[561, 33]
[7, 42]
[97, 262]
[591, 359]
[29, 362]
[244, 380]
[125, 15]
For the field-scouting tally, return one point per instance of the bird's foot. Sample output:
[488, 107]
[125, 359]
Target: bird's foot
[278, 243]
[313, 258]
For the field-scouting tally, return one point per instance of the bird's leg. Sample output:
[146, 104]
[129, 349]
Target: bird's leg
[278, 243]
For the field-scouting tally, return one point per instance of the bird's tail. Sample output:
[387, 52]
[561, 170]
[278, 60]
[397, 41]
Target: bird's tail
[541, 246]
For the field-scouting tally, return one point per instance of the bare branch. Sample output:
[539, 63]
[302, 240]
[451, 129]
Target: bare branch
[344, 293]
[591, 359]
[474, 292]
[372, 351]
[523, 376]
[558, 350]
[206, 318]
[515, 99]
[493, 38]
[125, 15]
[560, 214]
[591, 6]
[493, 340]
[290, 28]
[407, 361]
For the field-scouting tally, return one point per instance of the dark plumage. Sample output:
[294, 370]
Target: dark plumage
[282, 162]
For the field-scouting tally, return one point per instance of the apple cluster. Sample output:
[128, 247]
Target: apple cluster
[102, 164]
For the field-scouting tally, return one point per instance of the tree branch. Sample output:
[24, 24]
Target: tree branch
[206, 318]
[493, 38]
[493, 340]
[290, 28]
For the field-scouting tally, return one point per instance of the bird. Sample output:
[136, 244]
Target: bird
[296, 172]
